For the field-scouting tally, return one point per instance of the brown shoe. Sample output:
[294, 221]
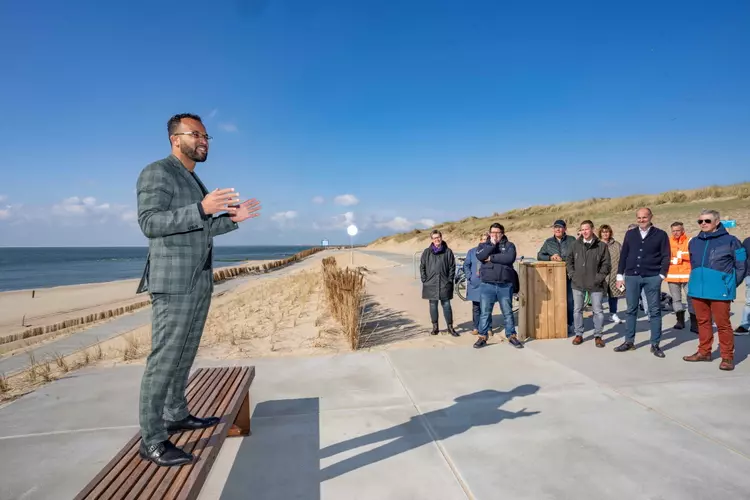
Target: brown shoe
[599, 342]
[697, 357]
[727, 365]
[577, 340]
[475, 332]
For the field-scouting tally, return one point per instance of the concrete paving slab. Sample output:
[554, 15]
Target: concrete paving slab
[376, 454]
[86, 399]
[591, 445]
[57, 466]
[639, 366]
[355, 380]
[716, 407]
[441, 375]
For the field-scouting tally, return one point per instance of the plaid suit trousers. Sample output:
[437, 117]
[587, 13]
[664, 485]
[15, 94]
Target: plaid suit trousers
[177, 327]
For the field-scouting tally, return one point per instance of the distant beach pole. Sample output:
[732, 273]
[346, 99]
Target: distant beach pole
[352, 231]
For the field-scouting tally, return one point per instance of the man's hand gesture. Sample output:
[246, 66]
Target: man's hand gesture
[219, 200]
[246, 210]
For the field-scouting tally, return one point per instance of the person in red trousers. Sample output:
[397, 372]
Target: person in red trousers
[718, 265]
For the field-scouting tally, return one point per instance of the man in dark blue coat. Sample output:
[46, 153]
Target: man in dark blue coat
[644, 264]
[497, 256]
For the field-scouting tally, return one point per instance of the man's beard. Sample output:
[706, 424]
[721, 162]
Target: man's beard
[193, 153]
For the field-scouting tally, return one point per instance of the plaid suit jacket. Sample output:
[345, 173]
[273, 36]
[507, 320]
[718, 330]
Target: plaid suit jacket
[179, 237]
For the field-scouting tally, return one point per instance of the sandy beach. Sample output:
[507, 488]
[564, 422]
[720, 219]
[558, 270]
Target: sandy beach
[55, 304]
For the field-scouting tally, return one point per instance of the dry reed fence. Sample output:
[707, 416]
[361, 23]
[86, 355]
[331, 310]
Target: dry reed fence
[219, 275]
[345, 294]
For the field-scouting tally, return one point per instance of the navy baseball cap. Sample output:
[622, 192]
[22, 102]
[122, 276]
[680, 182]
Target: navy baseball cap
[561, 223]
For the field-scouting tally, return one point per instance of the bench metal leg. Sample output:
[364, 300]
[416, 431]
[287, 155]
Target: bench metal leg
[241, 426]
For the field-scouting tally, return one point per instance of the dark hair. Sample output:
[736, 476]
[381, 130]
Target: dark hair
[434, 232]
[176, 119]
[677, 224]
[590, 223]
[499, 226]
[605, 227]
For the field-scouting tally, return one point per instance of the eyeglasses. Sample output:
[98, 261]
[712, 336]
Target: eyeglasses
[195, 135]
[705, 221]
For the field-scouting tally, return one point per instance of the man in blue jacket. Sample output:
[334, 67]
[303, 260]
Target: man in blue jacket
[474, 284]
[719, 264]
[497, 256]
[644, 263]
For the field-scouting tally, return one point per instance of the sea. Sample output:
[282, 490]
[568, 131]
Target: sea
[41, 267]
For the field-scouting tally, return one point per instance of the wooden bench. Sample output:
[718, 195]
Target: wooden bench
[222, 392]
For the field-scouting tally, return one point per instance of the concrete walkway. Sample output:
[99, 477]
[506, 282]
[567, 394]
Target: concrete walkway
[118, 326]
[551, 421]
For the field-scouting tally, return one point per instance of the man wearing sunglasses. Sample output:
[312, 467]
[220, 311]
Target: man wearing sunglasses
[719, 264]
[177, 214]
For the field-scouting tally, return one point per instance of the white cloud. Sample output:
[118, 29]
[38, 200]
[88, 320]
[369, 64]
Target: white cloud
[129, 216]
[403, 224]
[228, 127]
[396, 224]
[213, 113]
[284, 217]
[4, 213]
[318, 200]
[346, 200]
[3, 197]
[76, 207]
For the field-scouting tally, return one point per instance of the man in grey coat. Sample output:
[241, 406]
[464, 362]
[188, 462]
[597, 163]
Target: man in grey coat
[176, 214]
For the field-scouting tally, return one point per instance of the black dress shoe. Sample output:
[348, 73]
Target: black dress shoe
[625, 346]
[515, 342]
[656, 351]
[165, 454]
[452, 331]
[191, 423]
[481, 342]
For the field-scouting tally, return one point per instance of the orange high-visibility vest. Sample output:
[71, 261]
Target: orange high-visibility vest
[679, 263]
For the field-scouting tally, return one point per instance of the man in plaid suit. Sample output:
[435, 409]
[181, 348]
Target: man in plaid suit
[177, 215]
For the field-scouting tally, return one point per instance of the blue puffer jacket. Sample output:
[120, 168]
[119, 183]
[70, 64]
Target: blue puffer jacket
[719, 264]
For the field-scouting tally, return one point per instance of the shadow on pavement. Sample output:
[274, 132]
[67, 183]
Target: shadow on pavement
[280, 460]
[473, 410]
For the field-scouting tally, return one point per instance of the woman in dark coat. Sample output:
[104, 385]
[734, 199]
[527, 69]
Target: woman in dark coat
[438, 271]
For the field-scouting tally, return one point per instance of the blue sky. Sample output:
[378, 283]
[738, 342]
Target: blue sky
[409, 112]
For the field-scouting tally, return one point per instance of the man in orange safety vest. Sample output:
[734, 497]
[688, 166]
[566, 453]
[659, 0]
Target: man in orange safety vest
[679, 275]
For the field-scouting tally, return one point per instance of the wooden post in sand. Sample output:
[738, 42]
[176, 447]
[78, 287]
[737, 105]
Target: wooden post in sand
[543, 312]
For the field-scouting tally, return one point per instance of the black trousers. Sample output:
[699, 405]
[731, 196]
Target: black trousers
[447, 311]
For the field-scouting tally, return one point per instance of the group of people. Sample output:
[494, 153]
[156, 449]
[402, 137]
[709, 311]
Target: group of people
[704, 270]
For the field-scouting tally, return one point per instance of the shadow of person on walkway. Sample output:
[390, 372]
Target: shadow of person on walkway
[473, 410]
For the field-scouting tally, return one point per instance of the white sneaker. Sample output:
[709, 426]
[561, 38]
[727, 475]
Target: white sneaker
[616, 319]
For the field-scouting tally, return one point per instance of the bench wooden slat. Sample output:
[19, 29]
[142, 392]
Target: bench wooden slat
[188, 485]
[115, 467]
[153, 475]
[139, 477]
[191, 440]
[223, 392]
